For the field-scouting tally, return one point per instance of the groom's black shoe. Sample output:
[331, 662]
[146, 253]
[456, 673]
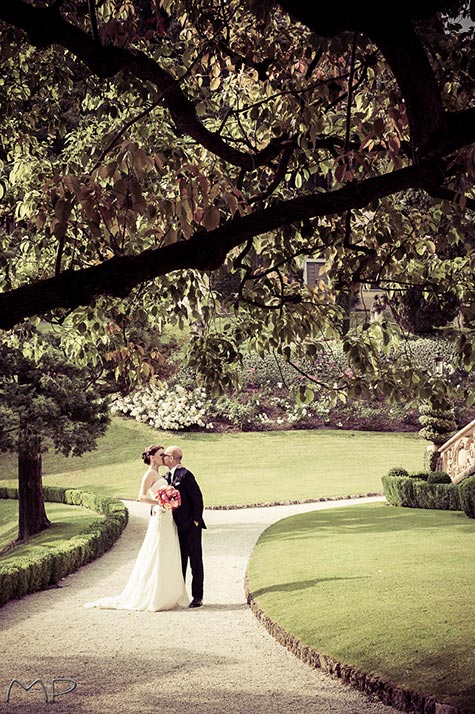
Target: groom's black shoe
[195, 603]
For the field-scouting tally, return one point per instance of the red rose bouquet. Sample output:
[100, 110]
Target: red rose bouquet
[168, 498]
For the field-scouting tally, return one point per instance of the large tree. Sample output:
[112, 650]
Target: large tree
[145, 139]
[45, 402]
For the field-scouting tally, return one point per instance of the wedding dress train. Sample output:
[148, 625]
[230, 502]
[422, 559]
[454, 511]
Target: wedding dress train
[156, 581]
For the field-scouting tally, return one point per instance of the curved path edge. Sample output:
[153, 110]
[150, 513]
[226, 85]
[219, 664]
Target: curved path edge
[222, 657]
[296, 502]
[388, 693]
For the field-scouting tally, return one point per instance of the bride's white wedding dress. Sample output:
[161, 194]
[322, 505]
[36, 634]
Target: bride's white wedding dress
[156, 581]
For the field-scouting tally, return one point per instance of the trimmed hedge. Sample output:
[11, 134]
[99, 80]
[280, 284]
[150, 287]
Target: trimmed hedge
[398, 471]
[438, 477]
[467, 496]
[30, 574]
[422, 475]
[442, 496]
[398, 490]
[428, 491]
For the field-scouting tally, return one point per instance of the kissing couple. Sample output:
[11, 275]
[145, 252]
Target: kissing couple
[173, 539]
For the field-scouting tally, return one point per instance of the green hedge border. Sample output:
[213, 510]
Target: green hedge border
[413, 491]
[30, 574]
[417, 493]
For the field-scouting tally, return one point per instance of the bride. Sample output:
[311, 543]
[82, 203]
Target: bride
[156, 581]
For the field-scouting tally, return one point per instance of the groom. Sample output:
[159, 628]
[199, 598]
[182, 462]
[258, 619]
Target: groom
[188, 518]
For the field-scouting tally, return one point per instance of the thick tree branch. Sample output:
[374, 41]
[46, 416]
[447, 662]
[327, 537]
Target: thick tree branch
[435, 136]
[399, 45]
[457, 132]
[397, 41]
[329, 19]
[205, 250]
[46, 26]
[445, 194]
[419, 88]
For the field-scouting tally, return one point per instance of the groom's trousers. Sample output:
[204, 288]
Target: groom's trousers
[191, 550]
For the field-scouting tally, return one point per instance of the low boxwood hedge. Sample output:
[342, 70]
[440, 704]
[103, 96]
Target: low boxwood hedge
[430, 490]
[467, 496]
[398, 489]
[30, 574]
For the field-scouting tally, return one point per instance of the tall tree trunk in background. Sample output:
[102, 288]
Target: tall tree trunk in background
[32, 515]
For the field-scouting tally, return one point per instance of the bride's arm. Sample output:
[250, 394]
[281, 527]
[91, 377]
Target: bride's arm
[147, 481]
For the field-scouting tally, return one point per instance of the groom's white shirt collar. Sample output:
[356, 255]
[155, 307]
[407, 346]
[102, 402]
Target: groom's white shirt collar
[172, 471]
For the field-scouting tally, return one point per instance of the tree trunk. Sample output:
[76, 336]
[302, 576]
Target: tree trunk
[31, 507]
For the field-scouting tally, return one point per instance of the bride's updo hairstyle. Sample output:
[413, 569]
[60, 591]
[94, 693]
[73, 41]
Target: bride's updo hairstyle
[150, 451]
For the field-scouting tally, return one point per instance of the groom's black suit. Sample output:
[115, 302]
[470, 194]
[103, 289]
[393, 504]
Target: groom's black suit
[189, 534]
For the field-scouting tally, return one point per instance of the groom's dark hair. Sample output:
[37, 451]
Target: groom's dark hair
[150, 451]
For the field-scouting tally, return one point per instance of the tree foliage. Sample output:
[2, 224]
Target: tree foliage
[146, 144]
[45, 401]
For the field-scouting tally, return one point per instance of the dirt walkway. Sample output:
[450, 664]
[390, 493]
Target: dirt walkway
[214, 660]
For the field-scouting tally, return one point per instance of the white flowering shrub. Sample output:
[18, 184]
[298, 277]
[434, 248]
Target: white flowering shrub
[174, 409]
[291, 413]
[266, 399]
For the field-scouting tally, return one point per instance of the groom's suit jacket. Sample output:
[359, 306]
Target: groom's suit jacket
[191, 508]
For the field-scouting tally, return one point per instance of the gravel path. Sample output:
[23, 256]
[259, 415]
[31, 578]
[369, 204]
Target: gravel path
[214, 660]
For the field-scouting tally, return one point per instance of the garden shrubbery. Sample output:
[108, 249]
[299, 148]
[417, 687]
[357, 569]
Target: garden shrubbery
[422, 475]
[31, 573]
[429, 490]
[467, 496]
[398, 489]
[166, 408]
[266, 400]
[398, 471]
[438, 477]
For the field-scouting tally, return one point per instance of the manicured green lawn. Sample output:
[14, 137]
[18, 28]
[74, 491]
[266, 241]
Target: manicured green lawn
[67, 522]
[388, 590]
[239, 468]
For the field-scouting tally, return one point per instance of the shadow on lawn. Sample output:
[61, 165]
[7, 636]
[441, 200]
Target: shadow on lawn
[299, 585]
